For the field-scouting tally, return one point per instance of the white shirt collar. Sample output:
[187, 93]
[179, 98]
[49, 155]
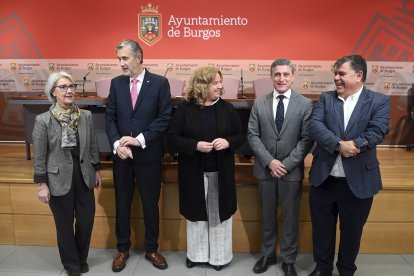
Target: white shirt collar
[140, 77]
[353, 97]
[287, 94]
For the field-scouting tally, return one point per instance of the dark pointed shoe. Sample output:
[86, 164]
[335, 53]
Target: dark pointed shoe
[218, 267]
[263, 264]
[189, 263]
[289, 269]
[316, 272]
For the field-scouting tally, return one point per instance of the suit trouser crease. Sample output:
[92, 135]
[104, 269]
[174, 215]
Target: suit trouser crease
[210, 241]
[79, 203]
[287, 194]
[327, 202]
[148, 179]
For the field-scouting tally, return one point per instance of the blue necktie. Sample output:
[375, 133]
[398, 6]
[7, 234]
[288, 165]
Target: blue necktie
[280, 113]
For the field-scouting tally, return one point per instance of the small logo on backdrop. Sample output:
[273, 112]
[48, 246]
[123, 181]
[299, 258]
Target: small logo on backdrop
[90, 66]
[375, 69]
[386, 85]
[13, 66]
[26, 82]
[149, 24]
[305, 84]
[51, 67]
[252, 67]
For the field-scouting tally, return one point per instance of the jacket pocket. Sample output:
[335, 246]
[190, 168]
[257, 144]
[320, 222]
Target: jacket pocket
[52, 169]
[372, 164]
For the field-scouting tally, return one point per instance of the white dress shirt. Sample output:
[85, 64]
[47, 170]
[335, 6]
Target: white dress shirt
[140, 136]
[276, 100]
[349, 106]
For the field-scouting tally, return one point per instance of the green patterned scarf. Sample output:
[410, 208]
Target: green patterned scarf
[69, 120]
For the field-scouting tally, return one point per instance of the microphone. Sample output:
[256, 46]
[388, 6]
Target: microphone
[83, 85]
[166, 71]
[242, 96]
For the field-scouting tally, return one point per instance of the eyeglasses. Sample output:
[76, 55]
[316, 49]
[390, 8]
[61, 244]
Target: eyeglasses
[65, 87]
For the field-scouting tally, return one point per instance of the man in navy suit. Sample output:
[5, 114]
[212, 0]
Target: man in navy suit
[347, 125]
[138, 112]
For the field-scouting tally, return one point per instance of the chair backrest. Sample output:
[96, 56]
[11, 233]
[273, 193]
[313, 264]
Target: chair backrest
[176, 86]
[102, 87]
[231, 87]
[262, 86]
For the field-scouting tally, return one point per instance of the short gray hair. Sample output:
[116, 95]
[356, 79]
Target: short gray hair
[280, 62]
[53, 78]
[133, 46]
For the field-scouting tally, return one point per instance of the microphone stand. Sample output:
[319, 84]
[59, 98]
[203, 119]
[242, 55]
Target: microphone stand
[242, 96]
[83, 85]
[166, 71]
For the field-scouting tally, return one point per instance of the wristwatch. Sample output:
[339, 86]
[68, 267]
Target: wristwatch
[337, 146]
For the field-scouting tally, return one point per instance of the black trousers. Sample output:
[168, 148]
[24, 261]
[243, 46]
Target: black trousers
[327, 202]
[148, 179]
[79, 203]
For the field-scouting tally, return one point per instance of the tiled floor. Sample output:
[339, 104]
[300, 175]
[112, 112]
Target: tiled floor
[37, 260]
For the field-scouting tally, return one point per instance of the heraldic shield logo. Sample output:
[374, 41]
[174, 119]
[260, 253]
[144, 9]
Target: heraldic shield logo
[149, 24]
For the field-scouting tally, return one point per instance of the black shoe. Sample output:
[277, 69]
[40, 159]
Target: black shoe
[189, 263]
[84, 268]
[316, 272]
[262, 264]
[289, 269]
[218, 267]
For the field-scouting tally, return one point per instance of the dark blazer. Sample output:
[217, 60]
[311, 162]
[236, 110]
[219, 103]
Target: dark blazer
[151, 115]
[184, 134]
[367, 127]
[54, 165]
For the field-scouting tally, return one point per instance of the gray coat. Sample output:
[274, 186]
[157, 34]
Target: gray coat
[290, 146]
[54, 165]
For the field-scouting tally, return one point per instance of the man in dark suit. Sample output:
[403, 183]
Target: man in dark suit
[278, 136]
[347, 125]
[138, 112]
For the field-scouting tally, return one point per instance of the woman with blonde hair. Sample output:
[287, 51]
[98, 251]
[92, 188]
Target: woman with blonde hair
[206, 131]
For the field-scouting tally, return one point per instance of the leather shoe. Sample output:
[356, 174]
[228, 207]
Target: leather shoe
[316, 272]
[262, 264]
[84, 268]
[75, 272]
[119, 262]
[157, 260]
[289, 269]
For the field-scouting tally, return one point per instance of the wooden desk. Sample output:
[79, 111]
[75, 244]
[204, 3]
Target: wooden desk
[35, 105]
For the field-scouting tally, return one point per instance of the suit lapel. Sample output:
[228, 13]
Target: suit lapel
[269, 110]
[338, 107]
[292, 106]
[126, 92]
[82, 133]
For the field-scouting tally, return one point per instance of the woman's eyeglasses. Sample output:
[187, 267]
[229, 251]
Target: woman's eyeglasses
[65, 87]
